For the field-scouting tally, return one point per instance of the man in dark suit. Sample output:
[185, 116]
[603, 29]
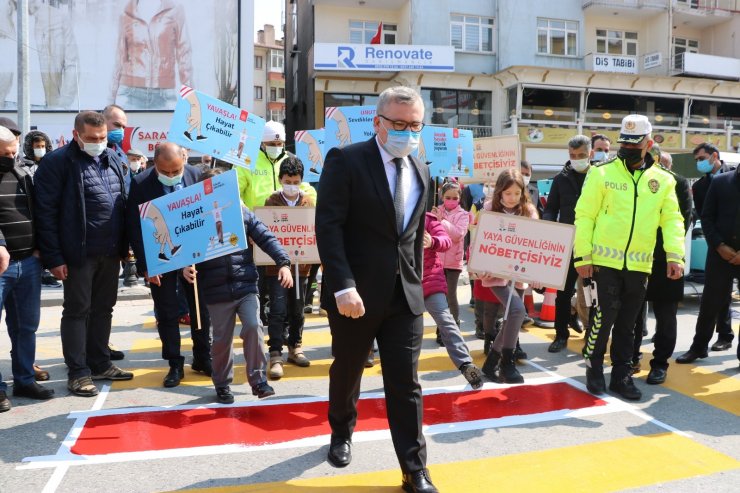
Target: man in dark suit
[370, 229]
[169, 173]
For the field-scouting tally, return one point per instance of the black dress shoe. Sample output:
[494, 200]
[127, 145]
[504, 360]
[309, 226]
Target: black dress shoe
[340, 452]
[202, 366]
[625, 387]
[721, 345]
[656, 376]
[595, 382]
[33, 391]
[174, 376]
[4, 402]
[115, 354]
[557, 345]
[690, 356]
[418, 482]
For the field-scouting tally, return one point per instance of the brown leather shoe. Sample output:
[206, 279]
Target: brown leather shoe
[39, 374]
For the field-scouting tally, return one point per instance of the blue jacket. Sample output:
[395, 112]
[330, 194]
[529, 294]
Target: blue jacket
[146, 186]
[60, 213]
[231, 277]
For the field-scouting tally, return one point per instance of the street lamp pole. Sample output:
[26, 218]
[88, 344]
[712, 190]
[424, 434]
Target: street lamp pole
[24, 96]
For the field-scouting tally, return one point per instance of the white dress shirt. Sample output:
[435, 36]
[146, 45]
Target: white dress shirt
[411, 189]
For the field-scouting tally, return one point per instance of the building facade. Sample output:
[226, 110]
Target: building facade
[545, 70]
[269, 75]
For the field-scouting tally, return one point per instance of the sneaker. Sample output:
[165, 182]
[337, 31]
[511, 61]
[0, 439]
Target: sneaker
[262, 390]
[296, 356]
[626, 388]
[82, 386]
[4, 402]
[175, 249]
[188, 136]
[184, 320]
[163, 257]
[473, 375]
[276, 365]
[113, 373]
[224, 395]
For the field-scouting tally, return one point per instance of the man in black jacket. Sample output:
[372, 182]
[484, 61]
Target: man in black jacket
[709, 163]
[720, 221]
[369, 230]
[20, 272]
[169, 173]
[80, 202]
[560, 207]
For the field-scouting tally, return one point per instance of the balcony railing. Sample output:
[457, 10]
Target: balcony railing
[707, 6]
[699, 64]
[624, 4]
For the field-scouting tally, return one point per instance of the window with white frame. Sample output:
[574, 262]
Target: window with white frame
[694, 4]
[362, 32]
[276, 61]
[471, 33]
[276, 115]
[257, 92]
[683, 45]
[258, 62]
[557, 37]
[611, 42]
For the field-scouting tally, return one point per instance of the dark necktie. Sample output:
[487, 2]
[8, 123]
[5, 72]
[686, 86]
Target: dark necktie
[399, 200]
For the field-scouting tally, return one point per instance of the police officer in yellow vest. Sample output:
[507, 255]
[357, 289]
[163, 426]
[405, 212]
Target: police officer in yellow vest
[622, 204]
[258, 184]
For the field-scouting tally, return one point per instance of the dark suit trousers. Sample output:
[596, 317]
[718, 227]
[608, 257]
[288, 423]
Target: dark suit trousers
[167, 311]
[562, 303]
[399, 334]
[666, 327]
[718, 278]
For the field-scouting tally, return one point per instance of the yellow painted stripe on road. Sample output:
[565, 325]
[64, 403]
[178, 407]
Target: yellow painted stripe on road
[429, 361]
[711, 387]
[601, 468]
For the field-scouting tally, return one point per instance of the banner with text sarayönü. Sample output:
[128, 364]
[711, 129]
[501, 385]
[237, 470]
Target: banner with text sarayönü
[522, 249]
[449, 151]
[295, 229]
[347, 125]
[309, 148]
[210, 126]
[193, 224]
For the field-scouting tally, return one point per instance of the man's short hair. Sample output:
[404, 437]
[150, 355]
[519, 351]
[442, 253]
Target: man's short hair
[708, 148]
[6, 136]
[596, 137]
[579, 141]
[397, 94]
[92, 118]
[108, 109]
[525, 165]
[291, 166]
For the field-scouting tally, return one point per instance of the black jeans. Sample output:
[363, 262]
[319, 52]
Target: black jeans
[167, 311]
[718, 279]
[621, 294]
[562, 303]
[90, 292]
[666, 328]
[285, 308]
[311, 279]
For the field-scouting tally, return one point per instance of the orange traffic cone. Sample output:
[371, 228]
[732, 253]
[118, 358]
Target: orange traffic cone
[547, 312]
[529, 303]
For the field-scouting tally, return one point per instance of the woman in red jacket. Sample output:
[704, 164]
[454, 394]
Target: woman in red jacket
[437, 240]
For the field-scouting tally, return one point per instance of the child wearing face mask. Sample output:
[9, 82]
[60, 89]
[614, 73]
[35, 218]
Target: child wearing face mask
[284, 305]
[510, 197]
[455, 221]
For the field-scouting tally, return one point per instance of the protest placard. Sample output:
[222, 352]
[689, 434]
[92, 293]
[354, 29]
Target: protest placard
[347, 125]
[448, 150]
[295, 229]
[522, 249]
[193, 224]
[208, 125]
[493, 155]
[309, 148]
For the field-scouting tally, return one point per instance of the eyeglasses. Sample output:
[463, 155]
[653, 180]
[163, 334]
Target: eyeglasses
[401, 125]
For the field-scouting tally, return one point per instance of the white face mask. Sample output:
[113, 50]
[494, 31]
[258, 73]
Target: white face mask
[291, 190]
[39, 152]
[526, 179]
[273, 152]
[94, 149]
[135, 165]
[580, 165]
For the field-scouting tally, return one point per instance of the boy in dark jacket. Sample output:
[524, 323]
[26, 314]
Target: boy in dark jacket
[229, 285]
[284, 306]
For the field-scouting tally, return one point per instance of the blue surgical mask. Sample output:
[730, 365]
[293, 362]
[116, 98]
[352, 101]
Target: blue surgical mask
[401, 143]
[169, 181]
[115, 136]
[600, 156]
[704, 166]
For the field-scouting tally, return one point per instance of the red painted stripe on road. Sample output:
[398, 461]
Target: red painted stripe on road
[278, 423]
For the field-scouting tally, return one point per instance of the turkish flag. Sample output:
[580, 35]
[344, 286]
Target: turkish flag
[376, 38]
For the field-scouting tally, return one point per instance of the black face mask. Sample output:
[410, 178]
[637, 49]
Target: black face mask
[631, 157]
[6, 164]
